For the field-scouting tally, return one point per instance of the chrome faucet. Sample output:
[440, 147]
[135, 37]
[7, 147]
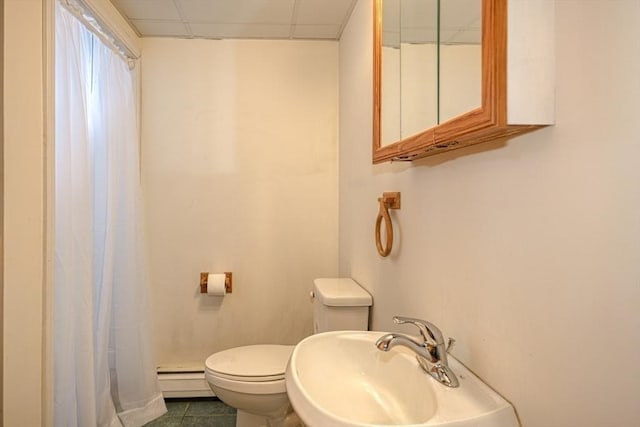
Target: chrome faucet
[430, 353]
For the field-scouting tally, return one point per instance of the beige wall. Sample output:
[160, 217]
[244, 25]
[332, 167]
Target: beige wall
[23, 225]
[239, 174]
[528, 253]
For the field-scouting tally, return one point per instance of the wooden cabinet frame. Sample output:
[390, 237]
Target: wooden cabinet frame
[489, 121]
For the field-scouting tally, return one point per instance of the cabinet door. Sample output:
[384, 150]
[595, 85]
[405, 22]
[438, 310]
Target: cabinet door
[409, 68]
[460, 58]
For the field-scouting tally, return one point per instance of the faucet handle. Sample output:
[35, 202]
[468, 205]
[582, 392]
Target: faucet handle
[450, 344]
[429, 331]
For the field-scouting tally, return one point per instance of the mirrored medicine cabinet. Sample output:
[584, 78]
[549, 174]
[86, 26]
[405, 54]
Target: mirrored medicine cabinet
[454, 73]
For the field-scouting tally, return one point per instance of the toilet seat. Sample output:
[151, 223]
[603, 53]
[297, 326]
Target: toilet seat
[255, 369]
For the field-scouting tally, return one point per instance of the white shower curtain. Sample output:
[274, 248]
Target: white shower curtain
[103, 351]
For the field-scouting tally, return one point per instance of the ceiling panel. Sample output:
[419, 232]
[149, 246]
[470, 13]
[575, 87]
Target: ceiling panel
[240, 31]
[271, 19]
[150, 9]
[329, 32]
[161, 28]
[326, 12]
[238, 12]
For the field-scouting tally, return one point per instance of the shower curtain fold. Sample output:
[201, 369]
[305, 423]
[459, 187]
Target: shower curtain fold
[104, 366]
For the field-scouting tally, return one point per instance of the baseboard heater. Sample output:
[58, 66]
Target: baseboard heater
[183, 381]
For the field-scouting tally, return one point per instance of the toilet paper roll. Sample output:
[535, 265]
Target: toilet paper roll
[216, 284]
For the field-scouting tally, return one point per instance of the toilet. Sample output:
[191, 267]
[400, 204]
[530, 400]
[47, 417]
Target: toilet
[251, 378]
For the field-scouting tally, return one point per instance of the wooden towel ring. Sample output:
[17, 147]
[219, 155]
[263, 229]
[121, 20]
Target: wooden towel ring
[386, 202]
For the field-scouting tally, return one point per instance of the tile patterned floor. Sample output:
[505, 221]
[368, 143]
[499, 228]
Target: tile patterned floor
[196, 413]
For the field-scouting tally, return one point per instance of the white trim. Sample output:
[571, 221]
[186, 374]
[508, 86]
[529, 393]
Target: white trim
[48, 210]
[184, 384]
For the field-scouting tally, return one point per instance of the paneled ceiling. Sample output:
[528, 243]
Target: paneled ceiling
[220, 19]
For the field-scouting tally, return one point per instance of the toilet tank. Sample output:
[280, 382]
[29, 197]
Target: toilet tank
[340, 304]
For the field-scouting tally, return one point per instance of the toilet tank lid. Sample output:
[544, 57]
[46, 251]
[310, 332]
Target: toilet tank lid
[340, 292]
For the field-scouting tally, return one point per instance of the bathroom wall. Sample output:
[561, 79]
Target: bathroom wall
[239, 165]
[526, 251]
[25, 366]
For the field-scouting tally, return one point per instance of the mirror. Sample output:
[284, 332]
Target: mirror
[427, 66]
[460, 59]
[409, 68]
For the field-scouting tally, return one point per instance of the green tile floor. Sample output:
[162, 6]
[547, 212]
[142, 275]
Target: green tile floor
[205, 412]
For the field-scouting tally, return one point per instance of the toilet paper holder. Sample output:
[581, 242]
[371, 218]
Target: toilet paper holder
[227, 282]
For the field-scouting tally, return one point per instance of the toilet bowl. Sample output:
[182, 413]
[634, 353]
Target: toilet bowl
[251, 378]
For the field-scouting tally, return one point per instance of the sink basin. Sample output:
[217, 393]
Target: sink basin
[339, 379]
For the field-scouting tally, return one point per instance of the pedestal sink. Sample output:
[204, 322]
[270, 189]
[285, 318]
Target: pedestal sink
[340, 379]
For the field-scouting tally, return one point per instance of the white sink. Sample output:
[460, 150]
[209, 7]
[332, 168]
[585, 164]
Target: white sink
[339, 379]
